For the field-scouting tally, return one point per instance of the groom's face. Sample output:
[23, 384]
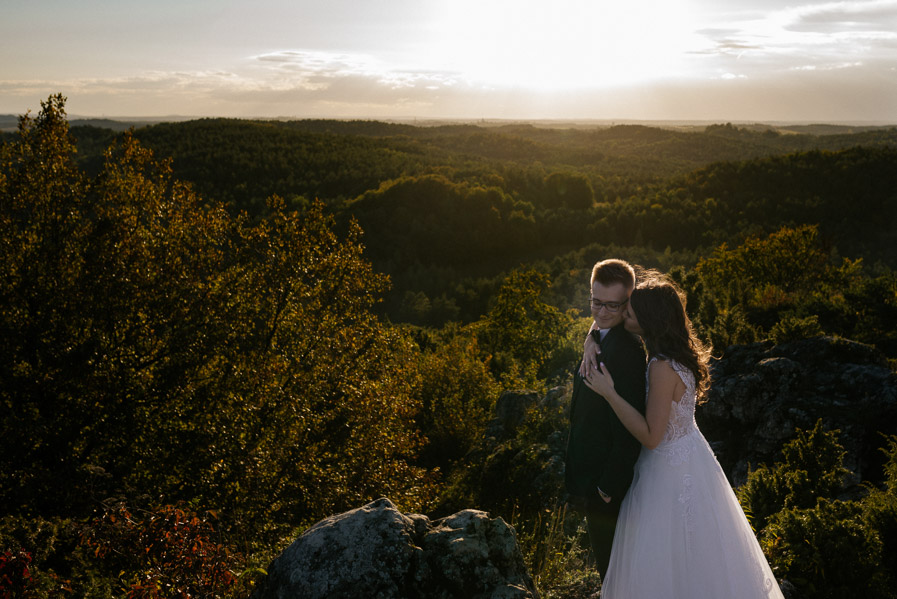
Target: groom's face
[604, 299]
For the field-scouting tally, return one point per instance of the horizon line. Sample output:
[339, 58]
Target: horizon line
[484, 120]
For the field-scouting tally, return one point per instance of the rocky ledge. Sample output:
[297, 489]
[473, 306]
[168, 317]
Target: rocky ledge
[375, 551]
[761, 393]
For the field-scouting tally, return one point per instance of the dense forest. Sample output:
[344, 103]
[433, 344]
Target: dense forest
[219, 331]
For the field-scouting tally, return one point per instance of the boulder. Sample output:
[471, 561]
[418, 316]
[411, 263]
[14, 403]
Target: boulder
[375, 551]
[761, 393]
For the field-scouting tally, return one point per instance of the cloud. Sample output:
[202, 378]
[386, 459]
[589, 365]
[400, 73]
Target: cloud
[287, 82]
[757, 71]
[321, 70]
[823, 36]
[871, 17]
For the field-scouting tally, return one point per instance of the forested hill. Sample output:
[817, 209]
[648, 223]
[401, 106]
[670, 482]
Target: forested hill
[447, 210]
[187, 384]
[340, 159]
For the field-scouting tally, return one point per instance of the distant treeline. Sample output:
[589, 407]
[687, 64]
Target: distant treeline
[448, 210]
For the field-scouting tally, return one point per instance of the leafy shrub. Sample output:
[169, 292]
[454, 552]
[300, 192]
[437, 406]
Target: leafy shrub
[16, 581]
[812, 468]
[524, 336]
[168, 553]
[151, 342]
[31, 549]
[880, 513]
[731, 327]
[826, 551]
[457, 395]
[791, 328]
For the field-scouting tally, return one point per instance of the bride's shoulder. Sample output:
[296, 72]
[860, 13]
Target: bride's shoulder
[671, 369]
[661, 366]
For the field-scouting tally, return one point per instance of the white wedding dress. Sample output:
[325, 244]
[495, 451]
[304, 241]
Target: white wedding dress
[681, 533]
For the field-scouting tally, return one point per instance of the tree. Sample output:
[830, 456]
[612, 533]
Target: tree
[572, 190]
[524, 335]
[153, 345]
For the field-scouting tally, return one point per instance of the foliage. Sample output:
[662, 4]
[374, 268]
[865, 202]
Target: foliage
[789, 264]
[433, 195]
[556, 557]
[36, 557]
[730, 326]
[790, 328]
[152, 343]
[431, 220]
[524, 335]
[572, 190]
[811, 468]
[169, 553]
[880, 512]
[457, 394]
[15, 575]
[788, 286]
[824, 546]
[826, 551]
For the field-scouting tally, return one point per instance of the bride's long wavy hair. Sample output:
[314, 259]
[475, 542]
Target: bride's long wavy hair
[659, 306]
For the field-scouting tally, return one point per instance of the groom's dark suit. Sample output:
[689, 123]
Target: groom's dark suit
[600, 451]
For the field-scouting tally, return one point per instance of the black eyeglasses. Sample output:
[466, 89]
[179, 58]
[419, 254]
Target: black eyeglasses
[612, 307]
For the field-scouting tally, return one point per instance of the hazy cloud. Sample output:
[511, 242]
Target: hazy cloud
[321, 70]
[821, 37]
[875, 17]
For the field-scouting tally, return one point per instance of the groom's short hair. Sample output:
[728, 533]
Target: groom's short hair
[608, 272]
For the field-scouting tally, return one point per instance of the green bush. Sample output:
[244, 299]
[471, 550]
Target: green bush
[812, 467]
[731, 327]
[825, 547]
[791, 328]
[826, 551]
[457, 395]
[880, 512]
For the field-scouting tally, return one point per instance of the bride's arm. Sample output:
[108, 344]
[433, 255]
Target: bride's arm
[590, 351]
[662, 389]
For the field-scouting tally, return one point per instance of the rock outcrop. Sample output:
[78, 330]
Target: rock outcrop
[375, 551]
[762, 392]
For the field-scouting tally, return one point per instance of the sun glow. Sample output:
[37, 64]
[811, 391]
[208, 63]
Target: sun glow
[564, 44]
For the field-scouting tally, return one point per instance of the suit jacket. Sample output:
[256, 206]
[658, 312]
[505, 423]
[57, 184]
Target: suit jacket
[600, 451]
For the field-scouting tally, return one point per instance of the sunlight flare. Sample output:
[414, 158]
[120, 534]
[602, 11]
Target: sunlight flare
[566, 44]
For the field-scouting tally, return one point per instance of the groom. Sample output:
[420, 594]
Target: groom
[600, 451]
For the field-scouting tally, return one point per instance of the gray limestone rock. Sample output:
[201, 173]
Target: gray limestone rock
[375, 551]
[762, 392]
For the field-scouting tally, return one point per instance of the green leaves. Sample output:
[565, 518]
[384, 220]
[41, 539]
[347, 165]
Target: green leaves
[825, 546]
[186, 353]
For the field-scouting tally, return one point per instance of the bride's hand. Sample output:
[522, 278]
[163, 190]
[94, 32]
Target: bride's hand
[601, 382]
[590, 353]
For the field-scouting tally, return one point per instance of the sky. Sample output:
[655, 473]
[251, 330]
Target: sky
[690, 60]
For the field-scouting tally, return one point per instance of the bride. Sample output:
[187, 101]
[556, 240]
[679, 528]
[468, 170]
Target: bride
[681, 531]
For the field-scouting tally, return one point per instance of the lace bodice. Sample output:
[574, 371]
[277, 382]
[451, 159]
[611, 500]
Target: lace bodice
[682, 412]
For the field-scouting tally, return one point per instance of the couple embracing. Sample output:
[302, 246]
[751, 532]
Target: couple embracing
[662, 518]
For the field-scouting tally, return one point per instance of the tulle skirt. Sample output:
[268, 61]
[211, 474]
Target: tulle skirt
[682, 534]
